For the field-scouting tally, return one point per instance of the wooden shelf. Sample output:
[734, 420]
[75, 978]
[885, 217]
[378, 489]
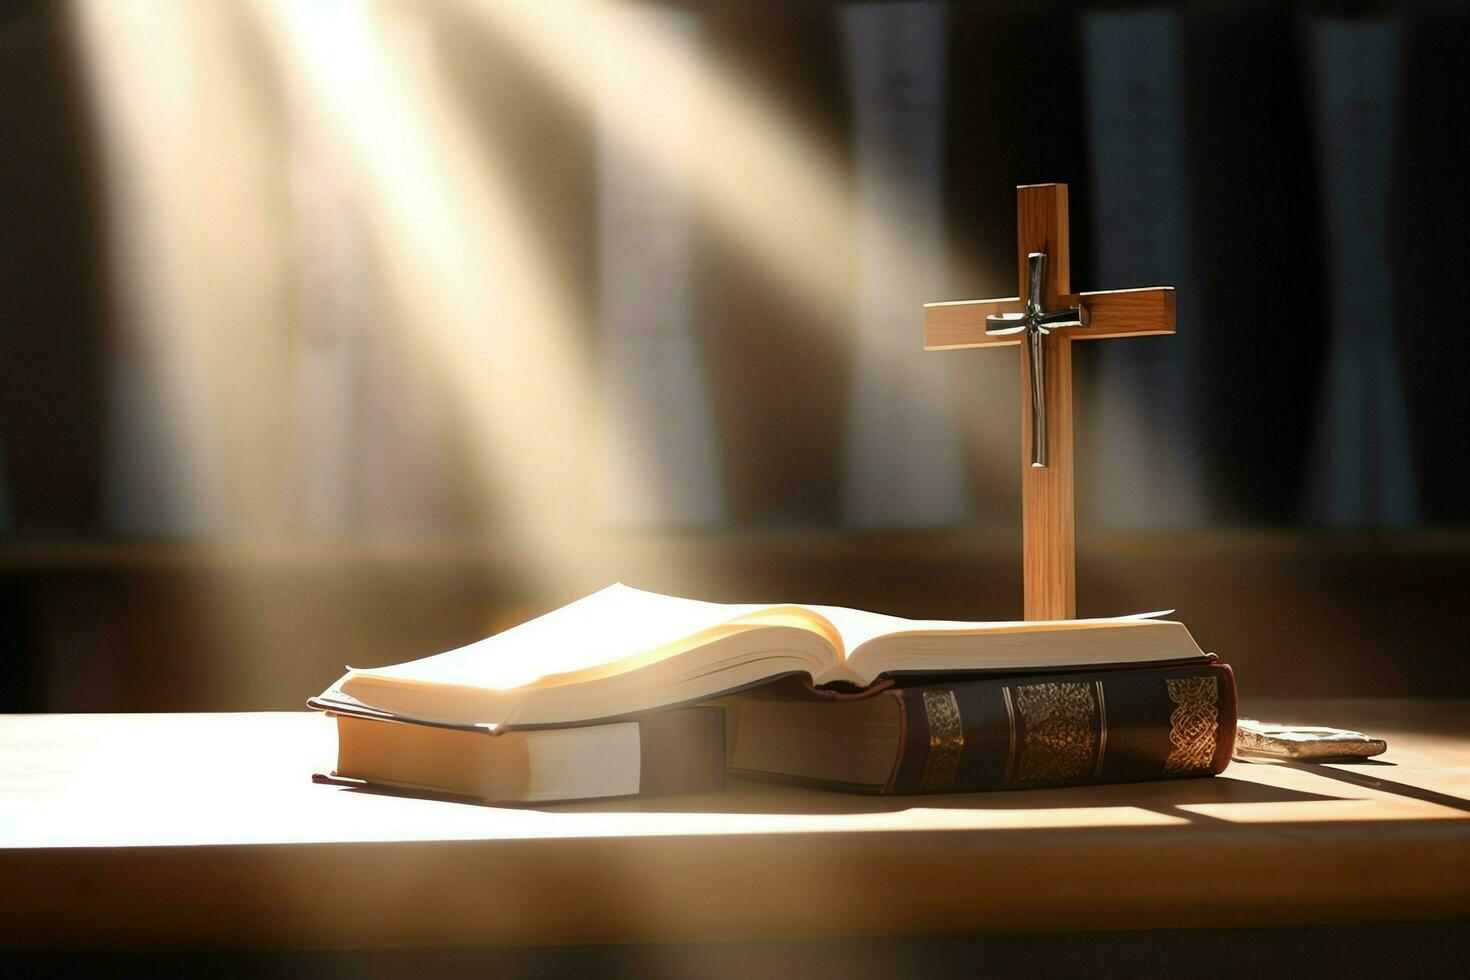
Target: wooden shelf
[152, 626]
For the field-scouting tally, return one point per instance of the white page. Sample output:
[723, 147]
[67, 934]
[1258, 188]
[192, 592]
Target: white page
[620, 622]
[858, 626]
[601, 628]
[571, 763]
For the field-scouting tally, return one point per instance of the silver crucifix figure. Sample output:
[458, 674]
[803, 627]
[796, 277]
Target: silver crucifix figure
[1037, 324]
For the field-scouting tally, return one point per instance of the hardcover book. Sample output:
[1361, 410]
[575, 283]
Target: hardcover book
[966, 733]
[661, 752]
[852, 699]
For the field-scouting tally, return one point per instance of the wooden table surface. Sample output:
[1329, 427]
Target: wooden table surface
[205, 830]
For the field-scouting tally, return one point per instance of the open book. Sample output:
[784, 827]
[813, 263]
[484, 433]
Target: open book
[622, 650]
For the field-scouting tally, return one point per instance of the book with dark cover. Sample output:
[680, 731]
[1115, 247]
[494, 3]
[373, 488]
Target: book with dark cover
[985, 732]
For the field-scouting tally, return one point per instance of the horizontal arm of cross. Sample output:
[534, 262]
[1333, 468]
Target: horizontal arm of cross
[1108, 313]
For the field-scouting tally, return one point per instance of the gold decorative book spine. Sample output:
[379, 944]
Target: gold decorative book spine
[1028, 732]
[1058, 742]
[1194, 725]
[946, 740]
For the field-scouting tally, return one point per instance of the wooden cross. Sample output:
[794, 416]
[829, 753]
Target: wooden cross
[1048, 512]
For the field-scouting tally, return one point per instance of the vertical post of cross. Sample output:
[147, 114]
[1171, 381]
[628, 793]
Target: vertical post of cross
[1048, 535]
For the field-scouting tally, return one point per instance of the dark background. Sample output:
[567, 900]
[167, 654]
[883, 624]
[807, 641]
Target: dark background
[92, 620]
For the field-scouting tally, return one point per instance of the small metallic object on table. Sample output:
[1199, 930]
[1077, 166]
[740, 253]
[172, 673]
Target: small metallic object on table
[1304, 742]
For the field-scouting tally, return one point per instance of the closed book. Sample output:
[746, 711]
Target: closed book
[967, 733]
[659, 753]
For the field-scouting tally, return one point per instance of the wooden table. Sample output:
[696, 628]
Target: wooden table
[205, 830]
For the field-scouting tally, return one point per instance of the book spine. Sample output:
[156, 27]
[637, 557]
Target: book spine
[1065, 730]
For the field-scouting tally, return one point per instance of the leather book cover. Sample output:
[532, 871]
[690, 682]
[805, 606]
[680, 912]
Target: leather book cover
[1023, 732]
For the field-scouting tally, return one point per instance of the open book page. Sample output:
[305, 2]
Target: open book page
[616, 651]
[857, 627]
[885, 644]
[623, 650]
[599, 630]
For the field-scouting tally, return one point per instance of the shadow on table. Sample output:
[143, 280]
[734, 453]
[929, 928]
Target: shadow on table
[751, 796]
[757, 796]
[1370, 781]
[1168, 797]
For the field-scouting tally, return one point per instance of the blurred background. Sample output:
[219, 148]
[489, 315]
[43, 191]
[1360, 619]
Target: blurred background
[349, 332]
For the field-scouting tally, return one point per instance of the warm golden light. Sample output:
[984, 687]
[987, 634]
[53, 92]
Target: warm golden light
[478, 298]
[287, 177]
[199, 268]
[778, 193]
